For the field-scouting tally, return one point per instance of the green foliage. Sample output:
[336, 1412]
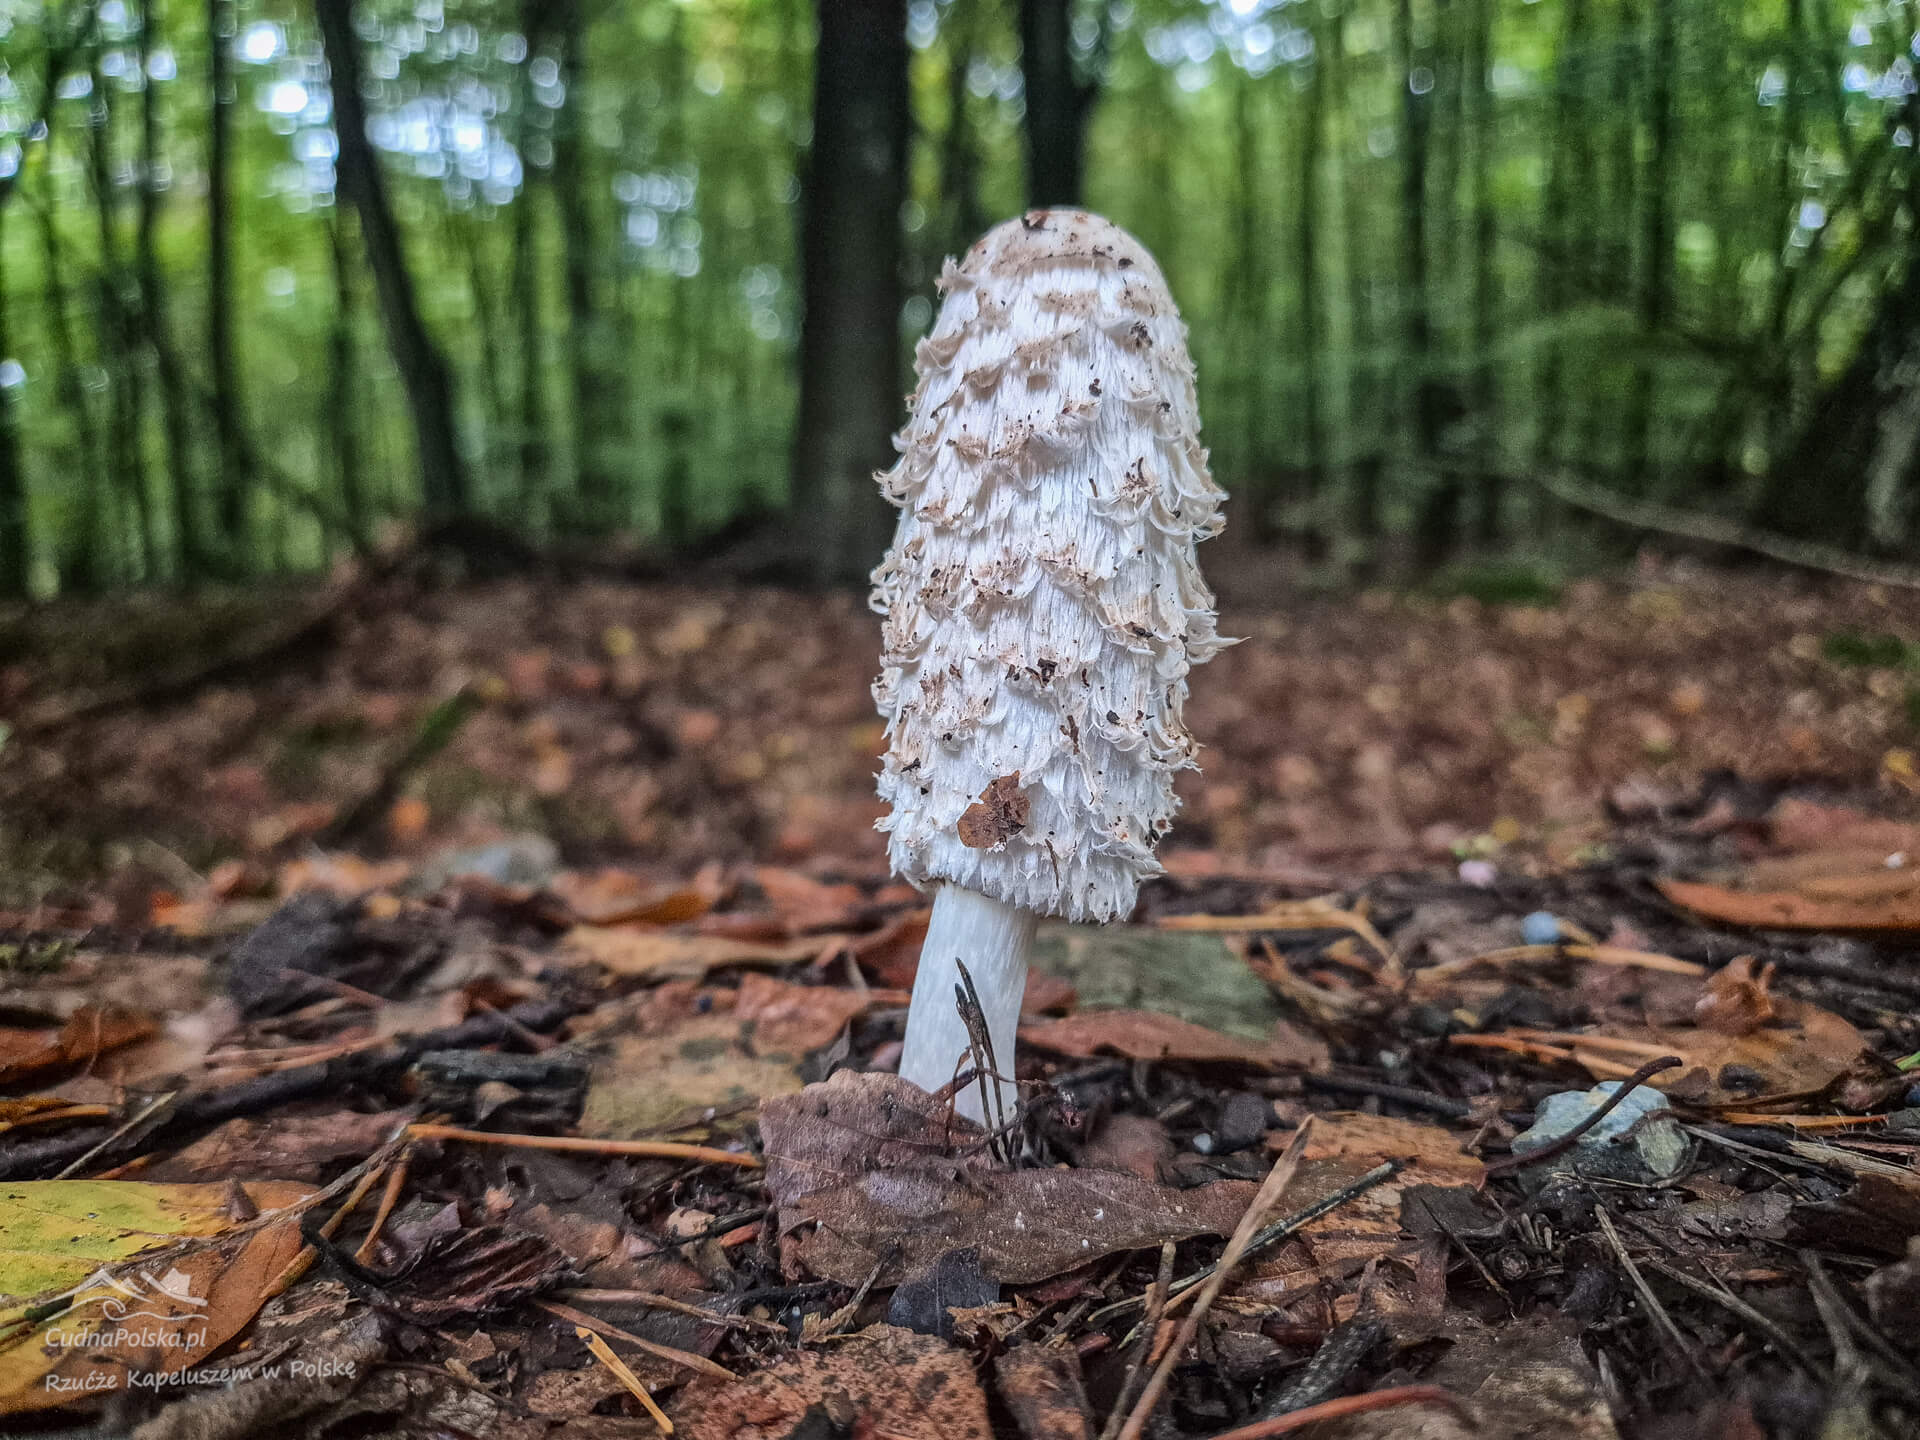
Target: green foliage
[1556, 325]
[1868, 650]
[1504, 583]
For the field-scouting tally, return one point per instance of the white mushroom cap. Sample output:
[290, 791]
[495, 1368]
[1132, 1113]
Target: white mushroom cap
[1042, 601]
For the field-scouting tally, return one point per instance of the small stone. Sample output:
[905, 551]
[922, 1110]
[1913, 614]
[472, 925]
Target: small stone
[1203, 1143]
[1478, 873]
[1540, 928]
[1657, 1151]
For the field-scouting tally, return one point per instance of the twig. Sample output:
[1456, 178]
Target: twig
[1347, 1405]
[1692, 525]
[647, 1299]
[1754, 1319]
[131, 1125]
[389, 1197]
[685, 1359]
[1269, 1193]
[1647, 1297]
[434, 734]
[1567, 1141]
[613, 1362]
[1280, 1230]
[1143, 1353]
[654, 1149]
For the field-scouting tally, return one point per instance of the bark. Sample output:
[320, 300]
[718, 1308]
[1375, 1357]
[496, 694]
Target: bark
[190, 545]
[15, 540]
[423, 370]
[525, 283]
[962, 216]
[120, 337]
[850, 285]
[1059, 102]
[595, 426]
[231, 490]
[1307, 233]
[340, 423]
[1567, 175]
[1439, 517]
[1655, 297]
[1482, 399]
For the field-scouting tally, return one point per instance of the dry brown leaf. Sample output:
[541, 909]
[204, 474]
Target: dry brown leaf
[884, 1382]
[806, 904]
[657, 954]
[620, 897]
[798, 1018]
[1791, 910]
[1151, 1035]
[90, 1032]
[868, 1168]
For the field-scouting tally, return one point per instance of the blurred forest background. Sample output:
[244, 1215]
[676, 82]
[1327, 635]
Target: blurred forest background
[274, 275]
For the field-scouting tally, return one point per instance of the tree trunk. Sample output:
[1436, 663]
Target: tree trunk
[82, 551]
[962, 217]
[1307, 259]
[1656, 243]
[120, 338]
[1439, 516]
[595, 426]
[1482, 399]
[229, 439]
[850, 284]
[423, 370]
[1058, 103]
[15, 541]
[189, 545]
[533, 497]
[1364, 462]
[340, 422]
[1567, 175]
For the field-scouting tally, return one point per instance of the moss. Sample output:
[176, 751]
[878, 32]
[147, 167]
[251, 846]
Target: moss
[1505, 583]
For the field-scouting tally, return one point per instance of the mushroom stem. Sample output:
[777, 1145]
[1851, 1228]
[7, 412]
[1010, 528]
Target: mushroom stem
[992, 938]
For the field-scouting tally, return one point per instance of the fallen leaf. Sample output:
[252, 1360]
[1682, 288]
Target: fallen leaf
[1149, 1035]
[1791, 910]
[651, 1081]
[799, 1018]
[90, 1032]
[882, 1382]
[282, 1147]
[449, 1270]
[866, 1168]
[657, 954]
[128, 1280]
[807, 904]
[1040, 1385]
[620, 897]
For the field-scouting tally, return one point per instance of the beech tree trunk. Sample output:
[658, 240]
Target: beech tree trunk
[423, 370]
[850, 343]
[229, 441]
[1058, 102]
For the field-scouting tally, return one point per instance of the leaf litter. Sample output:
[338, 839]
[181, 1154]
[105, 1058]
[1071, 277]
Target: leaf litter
[744, 1198]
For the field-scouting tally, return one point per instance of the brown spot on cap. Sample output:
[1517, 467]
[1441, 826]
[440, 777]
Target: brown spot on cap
[999, 813]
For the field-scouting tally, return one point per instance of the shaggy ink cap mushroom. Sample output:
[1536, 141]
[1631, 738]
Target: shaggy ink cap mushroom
[1043, 607]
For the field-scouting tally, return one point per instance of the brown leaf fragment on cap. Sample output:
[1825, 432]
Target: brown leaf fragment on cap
[999, 813]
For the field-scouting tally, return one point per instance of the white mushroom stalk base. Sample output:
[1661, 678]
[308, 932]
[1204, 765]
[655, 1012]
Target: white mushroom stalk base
[993, 938]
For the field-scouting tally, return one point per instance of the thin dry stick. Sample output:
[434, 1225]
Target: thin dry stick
[303, 1262]
[1647, 1297]
[655, 1149]
[686, 1359]
[389, 1197]
[651, 1301]
[1754, 1319]
[1276, 1182]
[1143, 1356]
[83, 1161]
[604, 1354]
[1347, 1405]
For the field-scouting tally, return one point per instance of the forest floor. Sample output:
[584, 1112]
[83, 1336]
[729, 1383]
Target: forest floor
[468, 1010]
